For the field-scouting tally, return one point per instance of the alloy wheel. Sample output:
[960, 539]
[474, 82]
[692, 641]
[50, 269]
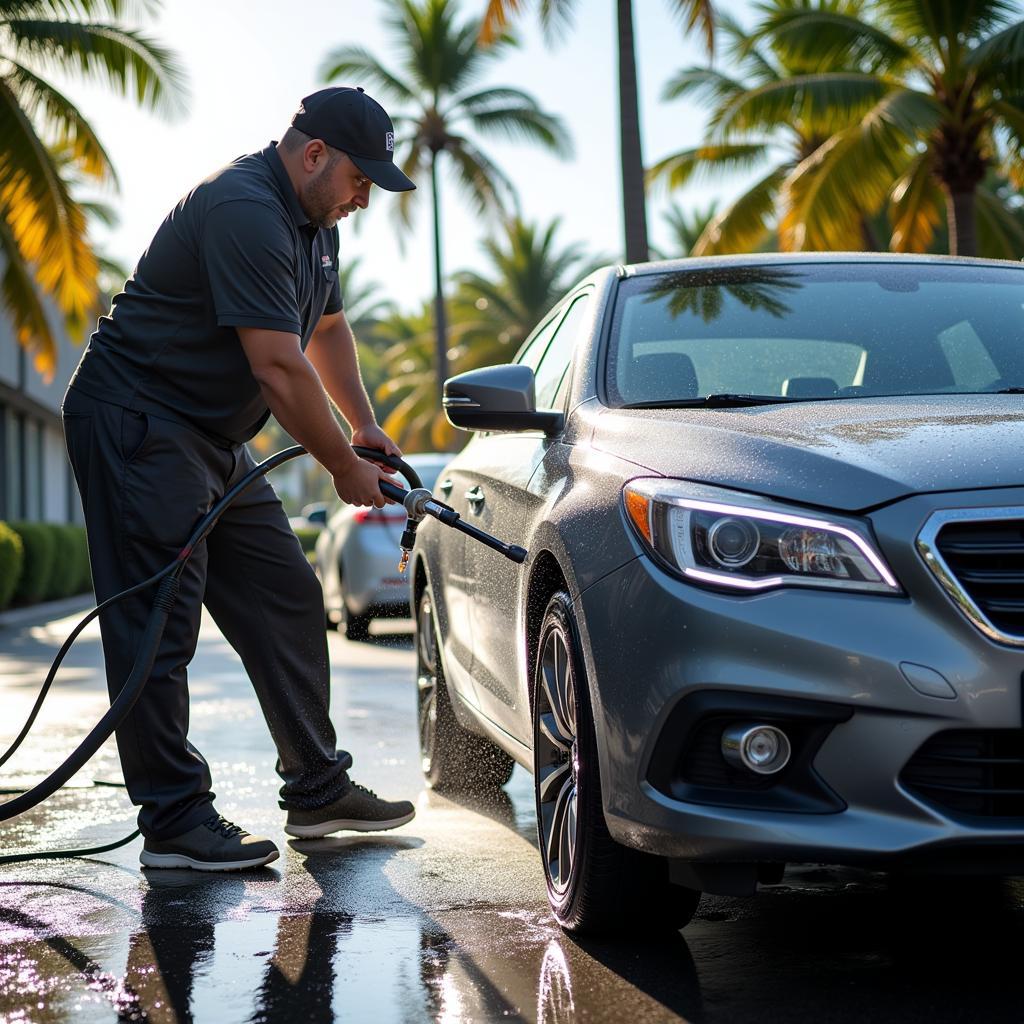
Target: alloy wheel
[557, 759]
[426, 682]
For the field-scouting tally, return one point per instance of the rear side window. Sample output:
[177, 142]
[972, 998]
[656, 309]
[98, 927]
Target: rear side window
[538, 344]
[555, 363]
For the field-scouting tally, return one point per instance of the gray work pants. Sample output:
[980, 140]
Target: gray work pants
[145, 482]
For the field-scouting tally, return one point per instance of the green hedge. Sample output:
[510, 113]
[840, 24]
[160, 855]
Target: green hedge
[55, 562]
[40, 543]
[70, 568]
[12, 556]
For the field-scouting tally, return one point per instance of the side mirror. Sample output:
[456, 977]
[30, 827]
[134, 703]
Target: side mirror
[497, 398]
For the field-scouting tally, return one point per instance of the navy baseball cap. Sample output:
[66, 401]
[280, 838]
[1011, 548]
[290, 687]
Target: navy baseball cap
[349, 120]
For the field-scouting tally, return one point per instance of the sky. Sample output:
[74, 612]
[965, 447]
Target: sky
[249, 62]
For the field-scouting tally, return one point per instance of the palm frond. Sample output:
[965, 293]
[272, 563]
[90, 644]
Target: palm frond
[480, 179]
[703, 84]
[848, 178]
[47, 225]
[811, 38]
[916, 207]
[945, 24]
[1000, 58]
[24, 306]
[497, 18]
[126, 61]
[820, 103]
[524, 123]
[61, 120]
[745, 223]
[698, 13]
[722, 158]
[359, 65]
[79, 10]
[1000, 230]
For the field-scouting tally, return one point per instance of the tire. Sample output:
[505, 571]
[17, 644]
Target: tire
[355, 627]
[595, 885]
[453, 759]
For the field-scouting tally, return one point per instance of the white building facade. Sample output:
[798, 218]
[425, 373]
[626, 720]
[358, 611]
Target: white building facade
[36, 482]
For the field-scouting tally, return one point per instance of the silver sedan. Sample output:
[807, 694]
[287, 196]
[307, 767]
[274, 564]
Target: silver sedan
[357, 558]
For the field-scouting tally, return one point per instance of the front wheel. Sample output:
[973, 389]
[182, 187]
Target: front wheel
[453, 759]
[594, 884]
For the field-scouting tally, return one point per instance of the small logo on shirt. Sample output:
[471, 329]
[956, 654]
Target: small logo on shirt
[389, 141]
[325, 262]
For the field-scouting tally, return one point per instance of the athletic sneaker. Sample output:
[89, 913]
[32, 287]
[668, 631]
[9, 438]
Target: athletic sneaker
[358, 810]
[214, 845]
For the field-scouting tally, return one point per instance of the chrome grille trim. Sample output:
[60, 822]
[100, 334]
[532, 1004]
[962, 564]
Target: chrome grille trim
[928, 548]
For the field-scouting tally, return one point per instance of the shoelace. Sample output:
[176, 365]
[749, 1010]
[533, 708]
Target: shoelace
[228, 829]
[363, 789]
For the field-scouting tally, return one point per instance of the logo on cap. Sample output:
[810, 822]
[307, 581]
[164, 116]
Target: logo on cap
[389, 141]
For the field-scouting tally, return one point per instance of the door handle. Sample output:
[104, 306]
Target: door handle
[445, 486]
[475, 497]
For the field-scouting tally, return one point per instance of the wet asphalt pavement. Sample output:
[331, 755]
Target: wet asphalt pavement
[444, 919]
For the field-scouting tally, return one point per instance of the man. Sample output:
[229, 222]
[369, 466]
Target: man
[233, 312]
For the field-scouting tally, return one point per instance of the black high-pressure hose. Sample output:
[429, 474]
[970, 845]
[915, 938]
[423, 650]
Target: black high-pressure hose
[418, 503]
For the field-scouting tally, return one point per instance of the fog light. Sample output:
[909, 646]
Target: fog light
[758, 748]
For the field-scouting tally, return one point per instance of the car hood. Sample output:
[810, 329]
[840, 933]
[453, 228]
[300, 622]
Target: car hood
[848, 454]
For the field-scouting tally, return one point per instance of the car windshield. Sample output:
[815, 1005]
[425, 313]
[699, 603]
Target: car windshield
[805, 331]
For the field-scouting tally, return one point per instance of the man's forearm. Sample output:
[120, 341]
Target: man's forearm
[296, 398]
[332, 352]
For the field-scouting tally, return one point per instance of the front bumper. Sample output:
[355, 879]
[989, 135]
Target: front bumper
[652, 642]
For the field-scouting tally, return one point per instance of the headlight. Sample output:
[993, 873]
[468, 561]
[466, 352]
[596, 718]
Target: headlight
[710, 535]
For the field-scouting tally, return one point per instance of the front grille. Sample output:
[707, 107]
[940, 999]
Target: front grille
[978, 772]
[987, 558]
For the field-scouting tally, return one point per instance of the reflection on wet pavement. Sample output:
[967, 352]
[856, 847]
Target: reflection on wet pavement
[444, 919]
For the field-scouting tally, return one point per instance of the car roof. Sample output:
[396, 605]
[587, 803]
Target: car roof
[776, 258]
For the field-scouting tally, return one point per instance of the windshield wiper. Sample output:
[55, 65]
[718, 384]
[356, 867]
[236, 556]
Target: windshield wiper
[719, 401]
[1016, 390]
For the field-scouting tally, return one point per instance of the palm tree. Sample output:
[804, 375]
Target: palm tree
[415, 421]
[948, 80]
[441, 107]
[526, 275]
[769, 118]
[50, 149]
[556, 16]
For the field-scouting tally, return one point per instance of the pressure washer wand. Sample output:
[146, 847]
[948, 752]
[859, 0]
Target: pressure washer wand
[419, 503]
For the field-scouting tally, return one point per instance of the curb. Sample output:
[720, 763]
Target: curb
[38, 614]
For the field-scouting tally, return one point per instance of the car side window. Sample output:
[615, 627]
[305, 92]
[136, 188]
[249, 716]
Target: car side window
[555, 362]
[537, 346]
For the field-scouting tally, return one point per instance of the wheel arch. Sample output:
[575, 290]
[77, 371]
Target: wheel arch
[546, 578]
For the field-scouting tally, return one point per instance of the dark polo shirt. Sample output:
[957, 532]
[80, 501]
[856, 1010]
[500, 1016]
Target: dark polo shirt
[237, 251]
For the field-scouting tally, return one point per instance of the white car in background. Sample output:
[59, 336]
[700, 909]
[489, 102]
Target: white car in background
[357, 557]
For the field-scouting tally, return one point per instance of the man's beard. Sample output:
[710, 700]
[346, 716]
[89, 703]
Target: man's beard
[317, 202]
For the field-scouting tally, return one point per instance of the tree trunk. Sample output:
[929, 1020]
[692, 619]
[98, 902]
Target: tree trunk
[869, 243]
[963, 239]
[440, 319]
[634, 210]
